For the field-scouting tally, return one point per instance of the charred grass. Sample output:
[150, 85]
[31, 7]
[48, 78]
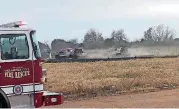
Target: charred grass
[85, 80]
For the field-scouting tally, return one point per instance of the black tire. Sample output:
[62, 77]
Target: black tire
[4, 101]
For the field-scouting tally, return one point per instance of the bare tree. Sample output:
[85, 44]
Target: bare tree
[118, 35]
[93, 39]
[74, 41]
[148, 34]
[159, 33]
[119, 38]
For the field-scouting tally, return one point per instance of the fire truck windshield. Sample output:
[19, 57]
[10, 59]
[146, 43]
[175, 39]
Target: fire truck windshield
[14, 46]
[35, 45]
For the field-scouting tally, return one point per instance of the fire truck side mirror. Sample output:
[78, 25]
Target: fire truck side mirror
[35, 47]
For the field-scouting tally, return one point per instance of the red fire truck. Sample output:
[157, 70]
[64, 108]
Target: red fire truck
[21, 73]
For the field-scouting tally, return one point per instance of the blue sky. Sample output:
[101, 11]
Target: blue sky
[69, 19]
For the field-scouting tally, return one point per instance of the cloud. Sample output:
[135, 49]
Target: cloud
[90, 10]
[83, 10]
[74, 17]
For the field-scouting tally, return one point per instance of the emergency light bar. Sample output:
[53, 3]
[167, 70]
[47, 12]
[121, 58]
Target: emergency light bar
[13, 24]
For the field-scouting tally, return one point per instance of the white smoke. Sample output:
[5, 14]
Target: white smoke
[138, 51]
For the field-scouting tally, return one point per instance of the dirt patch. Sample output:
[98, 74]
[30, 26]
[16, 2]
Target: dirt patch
[160, 99]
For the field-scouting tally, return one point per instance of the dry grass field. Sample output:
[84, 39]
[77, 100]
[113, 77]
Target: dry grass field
[106, 78]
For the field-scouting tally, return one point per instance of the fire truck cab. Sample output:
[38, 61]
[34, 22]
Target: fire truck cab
[21, 74]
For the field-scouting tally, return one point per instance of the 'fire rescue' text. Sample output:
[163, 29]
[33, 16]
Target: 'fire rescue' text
[17, 72]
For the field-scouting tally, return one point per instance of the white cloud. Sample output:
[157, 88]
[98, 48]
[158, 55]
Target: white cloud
[117, 9]
[87, 10]
[92, 10]
[166, 9]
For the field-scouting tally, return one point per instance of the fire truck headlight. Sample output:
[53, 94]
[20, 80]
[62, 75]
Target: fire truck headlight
[44, 75]
[40, 64]
[44, 72]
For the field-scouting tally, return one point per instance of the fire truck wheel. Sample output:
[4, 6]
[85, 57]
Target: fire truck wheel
[4, 101]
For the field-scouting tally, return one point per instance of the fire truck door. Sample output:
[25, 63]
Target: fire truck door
[15, 62]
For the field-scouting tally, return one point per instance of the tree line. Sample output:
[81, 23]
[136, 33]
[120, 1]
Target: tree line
[118, 38]
[94, 39]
